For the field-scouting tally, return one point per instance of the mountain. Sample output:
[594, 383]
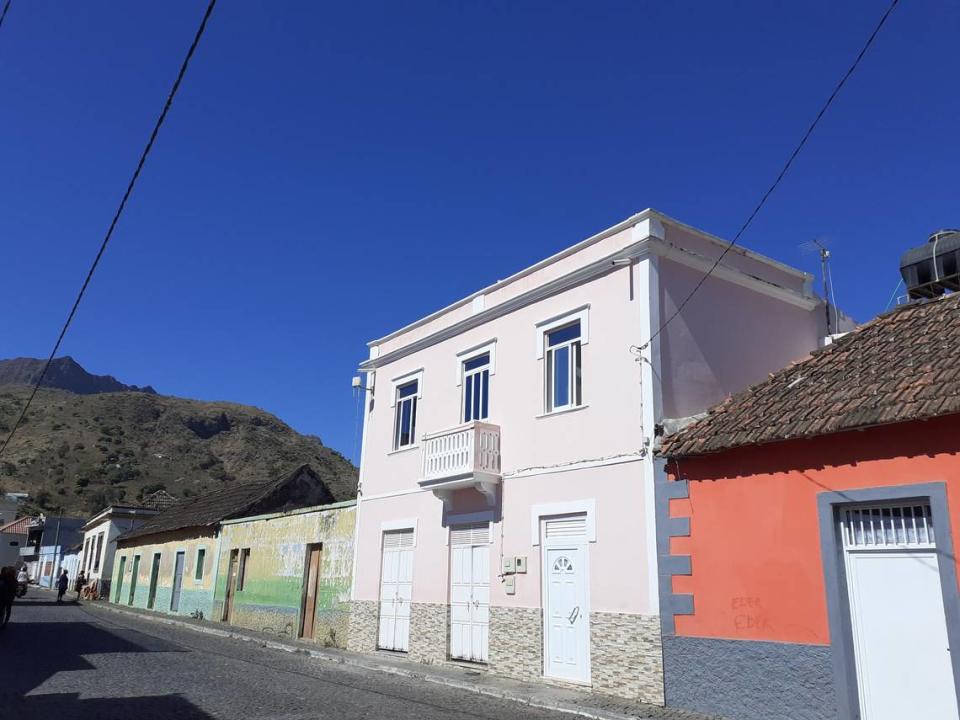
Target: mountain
[64, 373]
[81, 450]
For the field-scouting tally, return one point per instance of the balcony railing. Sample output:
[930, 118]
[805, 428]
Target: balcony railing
[464, 456]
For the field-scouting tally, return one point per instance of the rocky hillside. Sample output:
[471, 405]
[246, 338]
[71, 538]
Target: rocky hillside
[64, 373]
[83, 451]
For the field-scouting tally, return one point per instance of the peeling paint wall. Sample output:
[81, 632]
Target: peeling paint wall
[196, 595]
[272, 596]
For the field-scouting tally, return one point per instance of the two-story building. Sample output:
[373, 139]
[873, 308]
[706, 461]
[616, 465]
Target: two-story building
[506, 515]
[100, 535]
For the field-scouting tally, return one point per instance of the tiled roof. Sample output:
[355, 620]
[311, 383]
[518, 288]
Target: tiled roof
[902, 366]
[19, 526]
[159, 500]
[210, 508]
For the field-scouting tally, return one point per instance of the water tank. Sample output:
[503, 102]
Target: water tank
[933, 268]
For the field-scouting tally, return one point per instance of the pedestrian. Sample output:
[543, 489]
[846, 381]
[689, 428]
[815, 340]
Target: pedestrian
[8, 589]
[81, 581]
[63, 582]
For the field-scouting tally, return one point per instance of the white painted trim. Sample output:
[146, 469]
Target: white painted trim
[395, 493]
[401, 380]
[562, 411]
[651, 403]
[403, 524]
[405, 448]
[195, 555]
[581, 313]
[573, 507]
[490, 346]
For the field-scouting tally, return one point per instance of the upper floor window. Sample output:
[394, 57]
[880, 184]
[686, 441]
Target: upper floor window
[405, 421]
[562, 366]
[476, 387]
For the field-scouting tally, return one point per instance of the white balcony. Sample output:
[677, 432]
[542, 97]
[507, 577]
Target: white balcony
[464, 456]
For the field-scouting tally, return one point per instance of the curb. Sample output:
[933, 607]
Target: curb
[360, 662]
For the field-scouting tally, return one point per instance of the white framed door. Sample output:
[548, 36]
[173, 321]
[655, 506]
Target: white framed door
[566, 637]
[470, 592]
[396, 590]
[901, 649]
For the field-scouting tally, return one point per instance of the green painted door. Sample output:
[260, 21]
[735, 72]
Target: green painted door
[123, 567]
[133, 578]
[154, 576]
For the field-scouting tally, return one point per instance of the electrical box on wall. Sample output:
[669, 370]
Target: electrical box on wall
[521, 563]
[509, 566]
[510, 584]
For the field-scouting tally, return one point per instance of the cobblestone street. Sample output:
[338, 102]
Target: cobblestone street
[69, 662]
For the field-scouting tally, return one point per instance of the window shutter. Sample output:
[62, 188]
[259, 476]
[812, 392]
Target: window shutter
[569, 527]
[395, 539]
[473, 534]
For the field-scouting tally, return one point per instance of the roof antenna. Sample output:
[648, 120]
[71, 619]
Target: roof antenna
[819, 245]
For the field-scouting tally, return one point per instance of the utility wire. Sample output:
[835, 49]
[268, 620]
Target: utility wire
[3, 13]
[116, 216]
[783, 172]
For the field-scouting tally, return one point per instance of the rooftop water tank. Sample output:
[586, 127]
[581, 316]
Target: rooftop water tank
[933, 268]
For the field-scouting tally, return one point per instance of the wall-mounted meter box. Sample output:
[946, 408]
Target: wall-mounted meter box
[510, 584]
[521, 563]
[509, 566]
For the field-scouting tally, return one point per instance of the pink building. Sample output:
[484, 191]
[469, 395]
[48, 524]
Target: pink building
[506, 514]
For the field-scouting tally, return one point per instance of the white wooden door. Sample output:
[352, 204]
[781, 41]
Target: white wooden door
[396, 590]
[566, 649]
[899, 627]
[470, 592]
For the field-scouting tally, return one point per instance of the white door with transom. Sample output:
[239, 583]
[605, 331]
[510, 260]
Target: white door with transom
[901, 649]
[566, 637]
[396, 590]
[470, 592]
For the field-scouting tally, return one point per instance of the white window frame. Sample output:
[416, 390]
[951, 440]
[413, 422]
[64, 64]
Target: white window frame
[574, 348]
[581, 313]
[397, 383]
[574, 507]
[475, 376]
[196, 563]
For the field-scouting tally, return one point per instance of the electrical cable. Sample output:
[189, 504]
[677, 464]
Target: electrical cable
[783, 172]
[3, 13]
[116, 218]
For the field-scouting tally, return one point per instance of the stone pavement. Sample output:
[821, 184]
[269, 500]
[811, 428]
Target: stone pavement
[461, 678]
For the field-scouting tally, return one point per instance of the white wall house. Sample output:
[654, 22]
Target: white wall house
[99, 535]
[506, 514]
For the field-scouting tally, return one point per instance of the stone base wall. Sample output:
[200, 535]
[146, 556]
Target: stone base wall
[516, 642]
[626, 656]
[364, 621]
[429, 632]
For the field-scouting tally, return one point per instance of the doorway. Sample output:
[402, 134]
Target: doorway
[311, 586]
[896, 609]
[123, 567]
[231, 584]
[177, 582]
[565, 577]
[154, 575]
[396, 590]
[470, 592]
[133, 578]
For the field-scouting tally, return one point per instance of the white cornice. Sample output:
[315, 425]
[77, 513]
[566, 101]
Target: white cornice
[650, 245]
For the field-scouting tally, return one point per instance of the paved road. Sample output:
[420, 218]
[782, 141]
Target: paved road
[70, 663]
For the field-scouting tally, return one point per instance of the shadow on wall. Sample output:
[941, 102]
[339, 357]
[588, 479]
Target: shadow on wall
[34, 652]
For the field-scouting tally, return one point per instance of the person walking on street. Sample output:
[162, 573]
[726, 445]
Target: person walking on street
[80, 582]
[8, 588]
[63, 582]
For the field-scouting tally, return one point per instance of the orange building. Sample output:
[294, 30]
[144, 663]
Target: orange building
[806, 551]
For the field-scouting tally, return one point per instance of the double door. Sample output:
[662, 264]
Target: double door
[470, 592]
[396, 590]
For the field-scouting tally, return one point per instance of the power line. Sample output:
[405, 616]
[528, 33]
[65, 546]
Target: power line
[116, 216]
[783, 172]
[3, 13]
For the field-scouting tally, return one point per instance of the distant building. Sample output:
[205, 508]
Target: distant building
[170, 562]
[809, 524]
[13, 538]
[47, 542]
[99, 542]
[159, 500]
[10, 504]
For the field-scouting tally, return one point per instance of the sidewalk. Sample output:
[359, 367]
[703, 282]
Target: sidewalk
[584, 704]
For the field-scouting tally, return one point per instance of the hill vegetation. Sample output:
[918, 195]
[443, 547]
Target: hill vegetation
[84, 451]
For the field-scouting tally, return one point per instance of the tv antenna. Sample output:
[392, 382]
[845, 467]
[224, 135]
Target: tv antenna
[821, 247]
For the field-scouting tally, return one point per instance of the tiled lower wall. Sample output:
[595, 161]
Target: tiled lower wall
[626, 653]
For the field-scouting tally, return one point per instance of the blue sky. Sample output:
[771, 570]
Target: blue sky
[332, 171]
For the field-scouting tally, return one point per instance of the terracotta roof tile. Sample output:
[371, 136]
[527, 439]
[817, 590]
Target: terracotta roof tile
[899, 367]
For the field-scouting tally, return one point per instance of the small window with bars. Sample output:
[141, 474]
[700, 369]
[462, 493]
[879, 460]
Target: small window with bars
[887, 526]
